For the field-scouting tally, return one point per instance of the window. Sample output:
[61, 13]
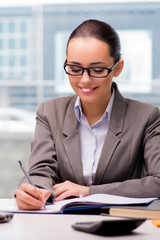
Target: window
[1, 44]
[137, 73]
[23, 43]
[1, 27]
[11, 43]
[11, 61]
[11, 27]
[23, 60]
[23, 27]
[1, 61]
[11, 75]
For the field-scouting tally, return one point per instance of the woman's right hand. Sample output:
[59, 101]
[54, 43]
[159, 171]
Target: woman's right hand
[29, 197]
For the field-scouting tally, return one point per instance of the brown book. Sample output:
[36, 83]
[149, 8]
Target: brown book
[151, 211]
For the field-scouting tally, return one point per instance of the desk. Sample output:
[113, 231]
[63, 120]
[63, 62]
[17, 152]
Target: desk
[58, 227]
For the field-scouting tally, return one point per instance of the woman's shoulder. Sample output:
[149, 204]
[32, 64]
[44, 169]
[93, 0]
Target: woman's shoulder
[134, 106]
[56, 108]
[59, 102]
[142, 108]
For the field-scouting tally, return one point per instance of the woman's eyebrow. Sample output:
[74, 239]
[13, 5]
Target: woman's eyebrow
[96, 63]
[73, 62]
[93, 63]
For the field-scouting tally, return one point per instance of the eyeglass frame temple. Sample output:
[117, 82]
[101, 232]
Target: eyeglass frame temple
[111, 69]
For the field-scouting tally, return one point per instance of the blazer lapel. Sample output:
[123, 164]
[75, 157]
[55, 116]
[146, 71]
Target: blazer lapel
[112, 139]
[72, 142]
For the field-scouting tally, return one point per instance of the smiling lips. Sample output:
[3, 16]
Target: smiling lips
[87, 90]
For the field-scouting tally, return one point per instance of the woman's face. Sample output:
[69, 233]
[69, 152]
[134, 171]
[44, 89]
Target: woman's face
[90, 52]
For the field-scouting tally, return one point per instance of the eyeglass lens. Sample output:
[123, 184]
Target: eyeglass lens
[93, 71]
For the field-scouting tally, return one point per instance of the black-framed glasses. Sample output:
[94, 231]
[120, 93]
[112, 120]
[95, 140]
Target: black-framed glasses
[97, 72]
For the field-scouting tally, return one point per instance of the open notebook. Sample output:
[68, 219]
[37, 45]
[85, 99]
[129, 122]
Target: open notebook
[89, 202]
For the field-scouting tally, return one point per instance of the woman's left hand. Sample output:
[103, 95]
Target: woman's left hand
[68, 189]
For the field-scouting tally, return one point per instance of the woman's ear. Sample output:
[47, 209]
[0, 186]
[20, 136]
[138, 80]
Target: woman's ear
[118, 69]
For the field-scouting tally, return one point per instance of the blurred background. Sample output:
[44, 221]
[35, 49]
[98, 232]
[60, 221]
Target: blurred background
[33, 36]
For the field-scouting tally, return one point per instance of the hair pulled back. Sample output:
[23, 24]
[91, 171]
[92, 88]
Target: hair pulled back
[101, 31]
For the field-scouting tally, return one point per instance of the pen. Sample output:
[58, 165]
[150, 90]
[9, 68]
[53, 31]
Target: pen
[28, 177]
[26, 174]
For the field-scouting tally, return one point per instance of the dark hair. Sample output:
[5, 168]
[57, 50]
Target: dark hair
[101, 31]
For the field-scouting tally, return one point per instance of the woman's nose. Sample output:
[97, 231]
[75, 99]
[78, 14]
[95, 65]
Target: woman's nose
[85, 77]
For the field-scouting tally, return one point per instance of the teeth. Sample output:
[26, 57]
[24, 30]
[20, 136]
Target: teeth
[86, 89]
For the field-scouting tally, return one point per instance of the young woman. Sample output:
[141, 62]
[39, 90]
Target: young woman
[95, 141]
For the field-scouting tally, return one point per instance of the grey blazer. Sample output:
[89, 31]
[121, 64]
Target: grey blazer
[129, 164]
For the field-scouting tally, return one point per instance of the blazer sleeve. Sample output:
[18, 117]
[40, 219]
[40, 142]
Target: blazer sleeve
[149, 184]
[43, 167]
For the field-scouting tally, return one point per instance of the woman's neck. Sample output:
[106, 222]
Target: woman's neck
[94, 111]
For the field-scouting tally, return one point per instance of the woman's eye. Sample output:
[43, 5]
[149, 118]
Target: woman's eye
[75, 69]
[98, 70]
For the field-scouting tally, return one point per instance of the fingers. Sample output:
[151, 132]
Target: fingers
[62, 190]
[68, 189]
[45, 194]
[30, 198]
[63, 195]
[58, 189]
